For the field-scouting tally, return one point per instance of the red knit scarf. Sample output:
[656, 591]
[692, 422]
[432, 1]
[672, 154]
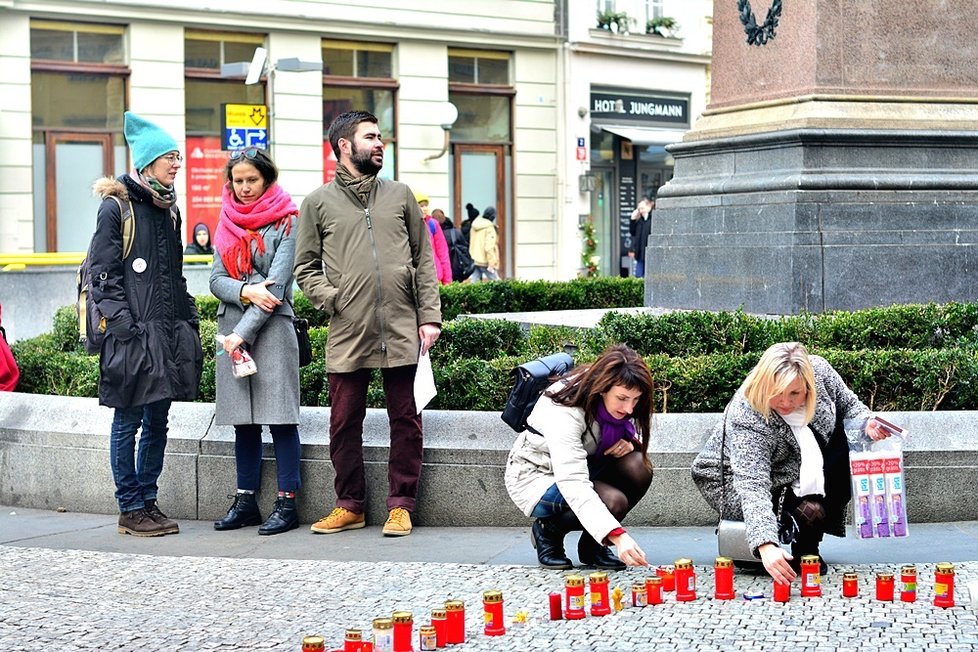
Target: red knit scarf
[238, 227]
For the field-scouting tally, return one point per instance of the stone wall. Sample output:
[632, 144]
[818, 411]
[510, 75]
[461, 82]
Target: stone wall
[54, 454]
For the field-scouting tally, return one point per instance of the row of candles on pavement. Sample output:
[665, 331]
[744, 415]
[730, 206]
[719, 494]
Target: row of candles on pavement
[681, 578]
[447, 625]
[395, 634]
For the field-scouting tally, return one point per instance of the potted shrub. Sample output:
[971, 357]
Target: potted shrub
[614, 21]
[663, 26]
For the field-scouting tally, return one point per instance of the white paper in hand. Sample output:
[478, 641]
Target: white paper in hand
[424, 383]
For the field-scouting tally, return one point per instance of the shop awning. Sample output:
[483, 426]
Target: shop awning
[645, 135]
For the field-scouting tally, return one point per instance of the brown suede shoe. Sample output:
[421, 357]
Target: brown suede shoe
[153, 511]
[139, 524]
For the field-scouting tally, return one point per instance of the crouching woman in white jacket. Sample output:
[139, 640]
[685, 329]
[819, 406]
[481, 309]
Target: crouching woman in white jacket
[583, 463]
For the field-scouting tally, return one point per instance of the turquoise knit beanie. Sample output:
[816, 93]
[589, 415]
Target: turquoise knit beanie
[147, 142]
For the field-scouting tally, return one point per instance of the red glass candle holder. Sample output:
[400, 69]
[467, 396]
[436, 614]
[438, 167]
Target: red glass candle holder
[884, 587]
[723, 579]
[352, 640]
[811, 584]
[944, 585]
[668, 575]
[600, 602]
[782, 591]
[439, 620]
[403, 631]
[685, 579]
[908, 584]
[492, 608]
[850, 585]
[455, 625]
[313, 644]
[653, 589]
[574, 590]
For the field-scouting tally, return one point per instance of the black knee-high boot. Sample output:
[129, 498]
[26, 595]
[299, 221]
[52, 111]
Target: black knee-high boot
[547, 537]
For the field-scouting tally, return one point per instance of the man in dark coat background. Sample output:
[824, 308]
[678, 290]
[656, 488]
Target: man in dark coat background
[151, 353]
[640, 227]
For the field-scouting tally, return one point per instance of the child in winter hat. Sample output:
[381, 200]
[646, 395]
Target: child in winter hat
[147, 142]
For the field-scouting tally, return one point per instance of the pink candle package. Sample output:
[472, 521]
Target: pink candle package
[878, 492]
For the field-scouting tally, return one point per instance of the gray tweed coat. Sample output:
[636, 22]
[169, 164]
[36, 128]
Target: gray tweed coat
[762, 454]
[270, 396]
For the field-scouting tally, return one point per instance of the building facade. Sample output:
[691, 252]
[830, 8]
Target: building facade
[638, 76]
[530, 80]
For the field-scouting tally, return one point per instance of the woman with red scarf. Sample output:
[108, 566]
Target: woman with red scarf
[582, 464]
[255, 243]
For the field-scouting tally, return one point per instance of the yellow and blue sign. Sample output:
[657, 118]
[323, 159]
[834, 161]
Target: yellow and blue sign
[244, 125]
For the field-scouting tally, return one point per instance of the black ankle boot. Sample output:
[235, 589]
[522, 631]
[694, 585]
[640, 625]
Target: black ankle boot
[548, 539]
[243, 512]
[592, 553]
[284, 517]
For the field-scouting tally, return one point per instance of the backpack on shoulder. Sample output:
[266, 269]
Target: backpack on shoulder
[458, 254]
[91, 322]
[529, 382]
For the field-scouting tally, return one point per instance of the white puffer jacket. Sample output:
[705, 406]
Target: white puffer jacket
[559, 456]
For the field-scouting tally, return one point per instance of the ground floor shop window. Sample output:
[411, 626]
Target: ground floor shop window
[77, 138]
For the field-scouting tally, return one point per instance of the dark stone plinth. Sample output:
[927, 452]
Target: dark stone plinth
[816, 220]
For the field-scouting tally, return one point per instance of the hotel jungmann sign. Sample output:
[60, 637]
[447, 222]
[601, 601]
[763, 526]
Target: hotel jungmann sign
[617, 107]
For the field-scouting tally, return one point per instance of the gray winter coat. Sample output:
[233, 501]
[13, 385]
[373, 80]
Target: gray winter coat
[762, 454]
[270, 396]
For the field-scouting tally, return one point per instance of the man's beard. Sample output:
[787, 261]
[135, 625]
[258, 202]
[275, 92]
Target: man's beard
[362, 160]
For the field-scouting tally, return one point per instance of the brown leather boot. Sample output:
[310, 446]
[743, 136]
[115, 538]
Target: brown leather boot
[169, 525]
[139, 524]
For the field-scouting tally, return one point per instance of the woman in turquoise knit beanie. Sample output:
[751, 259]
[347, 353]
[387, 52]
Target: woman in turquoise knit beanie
[151, 353]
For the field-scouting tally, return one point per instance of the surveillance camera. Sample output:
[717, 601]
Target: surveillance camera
[582, 112]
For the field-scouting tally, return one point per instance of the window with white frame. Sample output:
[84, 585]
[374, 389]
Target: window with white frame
[654, 9]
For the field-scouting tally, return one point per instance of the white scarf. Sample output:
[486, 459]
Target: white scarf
[811, 480]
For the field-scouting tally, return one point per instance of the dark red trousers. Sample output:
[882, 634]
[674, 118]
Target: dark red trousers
[348, 401]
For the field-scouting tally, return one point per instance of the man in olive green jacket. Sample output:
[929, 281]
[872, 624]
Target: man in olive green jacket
[363, 255]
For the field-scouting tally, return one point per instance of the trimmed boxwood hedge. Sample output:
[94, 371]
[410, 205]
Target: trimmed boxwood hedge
[910, 357]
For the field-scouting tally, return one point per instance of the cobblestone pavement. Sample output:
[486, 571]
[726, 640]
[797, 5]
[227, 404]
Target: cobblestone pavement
[84, 600]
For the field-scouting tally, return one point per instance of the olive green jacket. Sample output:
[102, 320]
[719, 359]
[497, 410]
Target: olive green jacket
[371, 269]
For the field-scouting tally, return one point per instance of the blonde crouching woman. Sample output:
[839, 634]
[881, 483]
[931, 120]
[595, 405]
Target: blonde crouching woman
[583, 463]
[779, 451]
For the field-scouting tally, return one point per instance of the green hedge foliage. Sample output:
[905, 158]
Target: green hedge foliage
[911, 357]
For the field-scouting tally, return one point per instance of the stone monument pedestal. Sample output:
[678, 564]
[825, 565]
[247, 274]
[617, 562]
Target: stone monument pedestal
[835, 168]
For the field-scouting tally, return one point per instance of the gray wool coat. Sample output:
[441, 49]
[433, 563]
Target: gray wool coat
[763, 454]
[270, 396]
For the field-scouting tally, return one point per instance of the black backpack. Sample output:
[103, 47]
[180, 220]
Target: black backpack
[458, 254]
[529, 381]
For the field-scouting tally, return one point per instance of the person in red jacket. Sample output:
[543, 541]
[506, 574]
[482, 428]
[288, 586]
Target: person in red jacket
[9, 373]
[443, 263]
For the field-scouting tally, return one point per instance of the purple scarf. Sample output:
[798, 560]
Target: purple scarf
[612, 430]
